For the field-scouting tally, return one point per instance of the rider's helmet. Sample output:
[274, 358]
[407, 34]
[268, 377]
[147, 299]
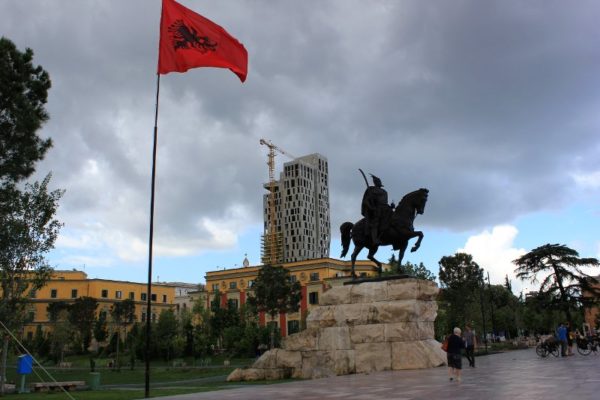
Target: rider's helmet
[377, 181]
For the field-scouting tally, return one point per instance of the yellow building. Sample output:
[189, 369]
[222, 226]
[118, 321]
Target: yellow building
[66, 286]
[315, 277]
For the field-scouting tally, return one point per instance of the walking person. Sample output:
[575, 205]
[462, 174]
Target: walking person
[470, 342]
[454, 356]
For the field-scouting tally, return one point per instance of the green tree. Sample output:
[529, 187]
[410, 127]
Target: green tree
[41, 346]
[418, 271]
[460, 281]
[222, 317]
[100, 328]
[23, 95]
[62, 331]
[28, 229]
[274, 293]
[167, 330]
[559, 269]
[122, 314]
[82, 315]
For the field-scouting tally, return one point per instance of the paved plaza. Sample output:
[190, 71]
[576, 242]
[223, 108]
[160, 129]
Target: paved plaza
[513, 375]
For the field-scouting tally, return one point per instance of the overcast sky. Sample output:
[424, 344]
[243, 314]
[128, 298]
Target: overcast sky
[492, 106]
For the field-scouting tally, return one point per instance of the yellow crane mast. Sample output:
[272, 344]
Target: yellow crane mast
[272, 246]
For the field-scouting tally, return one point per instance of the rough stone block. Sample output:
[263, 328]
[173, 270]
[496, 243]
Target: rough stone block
[235, 376]
[368, 292]
[321, 317]
[336, 295]
[317, 364]
[344, 362]
[273, 374]
[415, 355]
[401, 331]
[289, 359]
[352, 314]
[394, 311]
[253, 374]
[427, 291]
[267, 360]
[426, 330]
[367, 333]
[334, 338]
[305, 340]
[402, 289]
[426, 310]
[372, 357]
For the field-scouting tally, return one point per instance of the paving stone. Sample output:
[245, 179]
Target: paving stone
[513, 375]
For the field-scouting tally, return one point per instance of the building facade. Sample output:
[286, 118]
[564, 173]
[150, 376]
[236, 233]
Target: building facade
[233, 286]
[67, 286]
[301, 204]
[592, 313]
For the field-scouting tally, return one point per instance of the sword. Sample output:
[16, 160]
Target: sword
[364, 176]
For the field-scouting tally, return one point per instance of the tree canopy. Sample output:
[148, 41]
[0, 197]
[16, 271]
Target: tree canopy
[274, 293]
[558, 269]
[23, 95]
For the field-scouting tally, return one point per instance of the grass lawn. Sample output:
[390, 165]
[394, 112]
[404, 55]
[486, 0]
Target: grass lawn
[135, 393]
[129, 384]
[109, 394]
[125, 376]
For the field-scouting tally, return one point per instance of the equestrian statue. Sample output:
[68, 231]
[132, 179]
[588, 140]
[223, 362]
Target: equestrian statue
[384, 224]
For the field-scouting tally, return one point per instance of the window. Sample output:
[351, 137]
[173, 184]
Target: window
[153, 296]
[30, 316]
[153, 317]
[118, 294]
[314, 276]
[232, 285]
[144, 297]
[131, 296]
[232, 304]
[293, 278]
[215, 287]
[53, 293]
[313, 297]
[104, 293]
[293, 326]
[143, 317]
[32, 293]
[164, 298]
[250, 283]
[73, 293]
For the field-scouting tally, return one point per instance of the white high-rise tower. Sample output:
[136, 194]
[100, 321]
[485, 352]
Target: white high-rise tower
[302, 209]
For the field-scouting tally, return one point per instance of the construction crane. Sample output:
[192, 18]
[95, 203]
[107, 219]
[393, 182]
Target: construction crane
[272, 239]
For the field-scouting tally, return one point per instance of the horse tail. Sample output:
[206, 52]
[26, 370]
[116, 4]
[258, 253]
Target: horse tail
[346, 231]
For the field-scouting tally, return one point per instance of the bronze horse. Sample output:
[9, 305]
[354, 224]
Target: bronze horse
[399, 230]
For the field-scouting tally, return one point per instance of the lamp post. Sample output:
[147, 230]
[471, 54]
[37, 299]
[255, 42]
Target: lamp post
[483, 314]
[492, 306]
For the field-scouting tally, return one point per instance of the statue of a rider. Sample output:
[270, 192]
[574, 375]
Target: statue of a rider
[375, 209]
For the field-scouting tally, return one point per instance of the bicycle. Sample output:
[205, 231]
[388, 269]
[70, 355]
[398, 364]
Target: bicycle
[585, 346]
[548, 346]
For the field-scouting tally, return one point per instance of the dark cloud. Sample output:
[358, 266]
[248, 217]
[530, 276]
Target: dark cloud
[491, 105]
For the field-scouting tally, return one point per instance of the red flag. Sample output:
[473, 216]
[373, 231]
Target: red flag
[188, 40]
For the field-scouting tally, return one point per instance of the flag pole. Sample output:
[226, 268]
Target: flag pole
[150, 241]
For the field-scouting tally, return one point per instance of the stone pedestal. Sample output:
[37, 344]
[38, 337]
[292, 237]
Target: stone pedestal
[371, 326]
